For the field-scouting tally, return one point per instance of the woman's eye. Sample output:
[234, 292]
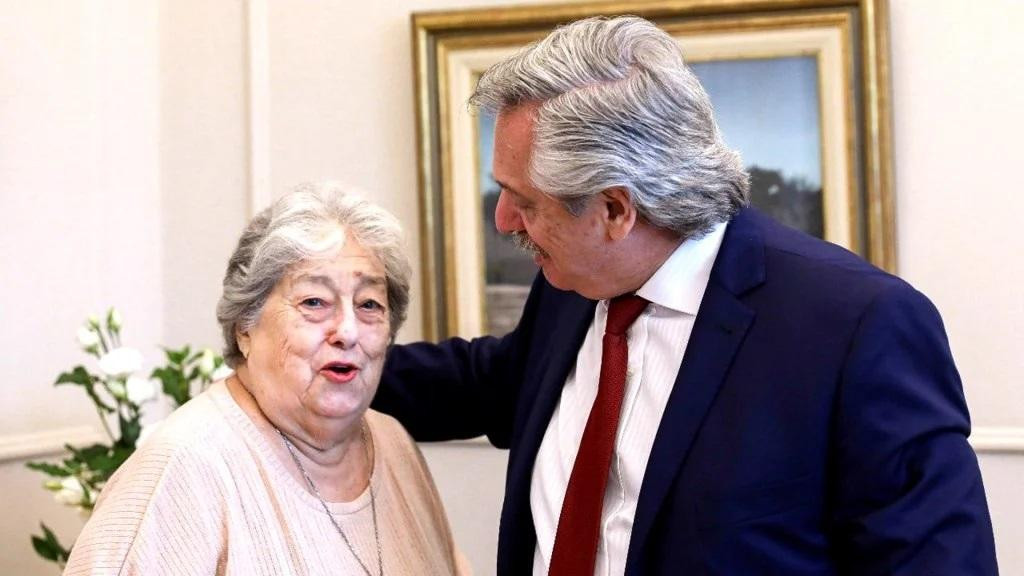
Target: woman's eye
[371, 305]
[314, 303]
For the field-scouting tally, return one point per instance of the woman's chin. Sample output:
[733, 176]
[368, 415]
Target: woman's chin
[344, 410]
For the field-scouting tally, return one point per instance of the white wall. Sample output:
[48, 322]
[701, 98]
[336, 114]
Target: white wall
[79, 182]
[125, 164]
[203, 159]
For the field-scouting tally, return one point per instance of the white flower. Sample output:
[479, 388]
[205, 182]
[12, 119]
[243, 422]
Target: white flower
[222, 372]
[139, 389]
[93, 321]
[87, 337]
[71, 492]
[206, 363]
[117, 389]
[121, 362]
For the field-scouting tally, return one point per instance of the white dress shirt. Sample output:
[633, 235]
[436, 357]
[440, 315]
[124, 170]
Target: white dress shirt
[657, 342]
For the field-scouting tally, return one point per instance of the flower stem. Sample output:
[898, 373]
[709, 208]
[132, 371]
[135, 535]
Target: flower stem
[103, 420]
[103, 341]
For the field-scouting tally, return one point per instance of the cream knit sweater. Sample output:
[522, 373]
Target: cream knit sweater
[207, 495]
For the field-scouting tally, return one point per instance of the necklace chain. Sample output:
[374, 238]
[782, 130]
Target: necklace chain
[323, 504]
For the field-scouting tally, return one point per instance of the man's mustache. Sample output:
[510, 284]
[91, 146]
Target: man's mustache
[523, 241]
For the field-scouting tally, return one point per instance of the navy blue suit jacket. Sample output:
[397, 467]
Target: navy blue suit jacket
[817, 424]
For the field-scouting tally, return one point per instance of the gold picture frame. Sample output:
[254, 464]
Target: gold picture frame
[843, 43]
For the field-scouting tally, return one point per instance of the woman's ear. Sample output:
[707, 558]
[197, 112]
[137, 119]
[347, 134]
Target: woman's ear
[619, 212]
[243, 341]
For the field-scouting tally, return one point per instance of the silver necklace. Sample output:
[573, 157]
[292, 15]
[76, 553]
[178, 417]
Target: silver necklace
[316, 492]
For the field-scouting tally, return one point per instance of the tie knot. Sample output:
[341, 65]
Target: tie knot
[622, 312]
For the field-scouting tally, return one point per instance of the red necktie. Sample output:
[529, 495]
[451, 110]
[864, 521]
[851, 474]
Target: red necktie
[579, 525]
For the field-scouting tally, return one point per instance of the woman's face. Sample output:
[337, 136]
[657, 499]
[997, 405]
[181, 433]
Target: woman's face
[314, 357]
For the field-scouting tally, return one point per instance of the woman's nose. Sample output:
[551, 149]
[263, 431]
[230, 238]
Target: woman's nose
[345, 331]
[506, 216]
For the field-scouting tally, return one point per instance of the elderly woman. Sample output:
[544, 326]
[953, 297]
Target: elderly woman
[281, 468]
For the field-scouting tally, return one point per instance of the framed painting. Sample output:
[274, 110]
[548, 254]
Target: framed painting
[799, 88]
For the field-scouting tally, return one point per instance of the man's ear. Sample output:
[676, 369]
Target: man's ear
[619, 212]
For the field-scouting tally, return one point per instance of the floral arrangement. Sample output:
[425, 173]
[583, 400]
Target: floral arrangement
[118, 394]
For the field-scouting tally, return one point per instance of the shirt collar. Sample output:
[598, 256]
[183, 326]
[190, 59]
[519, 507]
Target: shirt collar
[680, 282]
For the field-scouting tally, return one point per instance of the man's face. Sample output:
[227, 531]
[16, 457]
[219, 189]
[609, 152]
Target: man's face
[567, 248]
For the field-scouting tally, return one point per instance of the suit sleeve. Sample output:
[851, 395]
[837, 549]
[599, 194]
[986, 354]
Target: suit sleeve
[910, 499]
[459, 389]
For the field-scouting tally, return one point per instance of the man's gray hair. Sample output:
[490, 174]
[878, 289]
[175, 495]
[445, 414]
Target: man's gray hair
[301, 226]
[619, 107]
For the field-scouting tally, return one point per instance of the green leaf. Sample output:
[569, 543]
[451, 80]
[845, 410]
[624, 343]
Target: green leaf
[50, 469]
[130, 430]
[177, 356]
[103, 460]
[73, 464]
[78, 375]
[81, 376]
[174, 384]
[118, 455]
[88, 453]
[49, 547]
[44, 549]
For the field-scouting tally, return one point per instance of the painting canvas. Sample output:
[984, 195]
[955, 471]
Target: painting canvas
[768, 110]
[787, 93]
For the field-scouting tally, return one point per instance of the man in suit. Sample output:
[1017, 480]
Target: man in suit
[692, 388]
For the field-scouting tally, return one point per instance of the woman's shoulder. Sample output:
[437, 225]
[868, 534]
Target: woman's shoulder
[406, 466]
[192, 438]
[399, 454]
[388, 434]
[198, 423]
[167, 493]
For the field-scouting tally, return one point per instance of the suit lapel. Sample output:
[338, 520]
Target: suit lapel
[718, 332]
[556, 359]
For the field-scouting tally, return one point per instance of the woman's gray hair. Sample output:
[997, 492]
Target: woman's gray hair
[619, 107]
[300, 226]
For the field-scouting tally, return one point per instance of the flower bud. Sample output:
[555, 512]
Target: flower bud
[71, 492]
[88, 339]
[117, 389]
[206, 363]
[93, 321]
[114, 320]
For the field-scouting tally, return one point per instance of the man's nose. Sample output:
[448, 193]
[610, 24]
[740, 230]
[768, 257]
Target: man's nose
[506, 216]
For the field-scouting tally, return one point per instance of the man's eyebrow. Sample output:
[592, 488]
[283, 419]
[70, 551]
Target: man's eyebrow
[506, 188]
